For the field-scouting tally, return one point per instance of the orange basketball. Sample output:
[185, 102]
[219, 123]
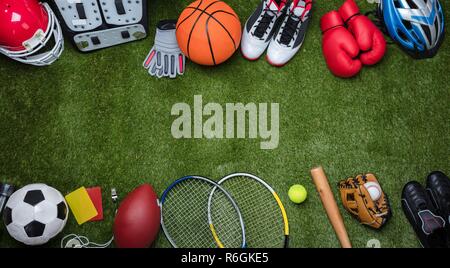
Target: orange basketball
[209, 32]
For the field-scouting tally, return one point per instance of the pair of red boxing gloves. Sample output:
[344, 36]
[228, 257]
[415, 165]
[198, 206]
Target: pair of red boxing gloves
[350, 40]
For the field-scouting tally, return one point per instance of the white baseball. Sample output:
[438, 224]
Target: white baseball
[374, 190]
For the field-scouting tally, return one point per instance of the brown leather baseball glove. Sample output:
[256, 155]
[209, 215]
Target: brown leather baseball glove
[364, 198]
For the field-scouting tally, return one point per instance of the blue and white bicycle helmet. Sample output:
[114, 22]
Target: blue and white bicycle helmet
[416, 25]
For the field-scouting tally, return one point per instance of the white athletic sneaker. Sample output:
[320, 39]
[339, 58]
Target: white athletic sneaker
[260, 28]
[287, 42]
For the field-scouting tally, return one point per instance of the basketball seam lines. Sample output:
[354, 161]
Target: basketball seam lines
[209, 41]
[208, 35]
[195, 24]
[226, 12]
[229, 13]
[223, 11]
[226, 30]
[190, 15]
[210, 15]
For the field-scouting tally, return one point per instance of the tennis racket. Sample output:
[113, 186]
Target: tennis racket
[188, 223]
[266, 222]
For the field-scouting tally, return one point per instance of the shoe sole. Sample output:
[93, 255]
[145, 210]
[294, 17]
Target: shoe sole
[275, 65]
[249, 59]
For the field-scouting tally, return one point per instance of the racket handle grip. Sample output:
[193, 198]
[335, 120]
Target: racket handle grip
[6, 191]
[286, 241]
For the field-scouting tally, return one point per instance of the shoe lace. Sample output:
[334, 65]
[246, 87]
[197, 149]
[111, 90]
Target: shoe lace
[290, 29]
[264, 23]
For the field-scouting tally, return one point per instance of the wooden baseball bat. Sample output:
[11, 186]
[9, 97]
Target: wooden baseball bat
[330, 205]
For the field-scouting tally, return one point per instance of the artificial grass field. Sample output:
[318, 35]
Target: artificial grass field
[99, 119]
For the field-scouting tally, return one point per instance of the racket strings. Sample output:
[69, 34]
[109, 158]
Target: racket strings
[262, 215]
[228, 228]
[185, 215]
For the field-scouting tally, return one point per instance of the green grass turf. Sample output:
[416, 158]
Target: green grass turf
[99, 119]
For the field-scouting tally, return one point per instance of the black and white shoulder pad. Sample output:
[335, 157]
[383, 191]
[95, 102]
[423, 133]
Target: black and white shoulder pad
[97, 24]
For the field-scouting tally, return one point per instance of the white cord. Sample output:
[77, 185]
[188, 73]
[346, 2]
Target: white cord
[76, 241]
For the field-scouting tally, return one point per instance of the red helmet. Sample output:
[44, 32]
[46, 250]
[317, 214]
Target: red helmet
[26, 28]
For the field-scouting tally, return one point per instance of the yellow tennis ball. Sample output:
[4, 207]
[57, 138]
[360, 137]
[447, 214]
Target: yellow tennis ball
[298, 194]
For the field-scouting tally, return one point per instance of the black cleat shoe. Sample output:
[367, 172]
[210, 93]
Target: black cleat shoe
[422, 215]
[438, 186]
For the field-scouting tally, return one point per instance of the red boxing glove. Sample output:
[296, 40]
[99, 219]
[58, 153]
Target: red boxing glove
[339, 46]
[370, 39]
